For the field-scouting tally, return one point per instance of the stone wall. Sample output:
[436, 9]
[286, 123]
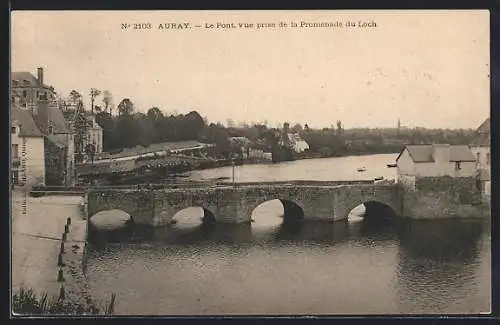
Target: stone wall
[349, 197]
[75, 283]
[441, 197]
[137, 203]
[235, 204]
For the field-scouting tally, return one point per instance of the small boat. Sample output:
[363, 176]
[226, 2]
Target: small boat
[362, 169]
[392, 165]
[379, 178]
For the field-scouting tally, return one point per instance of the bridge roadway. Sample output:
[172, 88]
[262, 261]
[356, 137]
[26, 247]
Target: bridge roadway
[228, 203]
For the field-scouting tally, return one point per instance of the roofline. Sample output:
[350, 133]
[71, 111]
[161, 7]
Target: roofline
[401, 152]
[31, 136]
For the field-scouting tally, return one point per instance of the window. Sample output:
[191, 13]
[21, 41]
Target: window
[12, 129]
[457, 165]
[488, 158]
[51, 129]
[478, 156]
[24, 93]
[15, 150]
[15, 177]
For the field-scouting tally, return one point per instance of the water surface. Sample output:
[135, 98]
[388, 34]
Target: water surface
[267, 267]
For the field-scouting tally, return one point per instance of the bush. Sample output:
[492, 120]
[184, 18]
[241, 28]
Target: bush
[26, 302]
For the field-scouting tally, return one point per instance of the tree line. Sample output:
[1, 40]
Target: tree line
[129, 128]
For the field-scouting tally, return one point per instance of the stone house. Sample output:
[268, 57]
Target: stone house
[295, 142]
[481, 148]
[27, 150]
[436, 160]
[32, 96]
[298, 144]
[27, 88]
[249, 150]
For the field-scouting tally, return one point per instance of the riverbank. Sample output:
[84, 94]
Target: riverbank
[38, 225]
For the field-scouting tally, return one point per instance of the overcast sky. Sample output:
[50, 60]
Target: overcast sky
[429, 69]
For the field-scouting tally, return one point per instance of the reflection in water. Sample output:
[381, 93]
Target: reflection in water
[437, 262]
[314, 232]
[378, 265]
[300, 268]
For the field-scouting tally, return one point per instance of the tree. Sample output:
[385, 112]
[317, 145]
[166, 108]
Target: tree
[107, 100]
[93, 94]
[339, 128]
[75, 96]
[126, 107]
[155, 114]
[106, 122]
[90, 151]
[80, 125]
[297, 128]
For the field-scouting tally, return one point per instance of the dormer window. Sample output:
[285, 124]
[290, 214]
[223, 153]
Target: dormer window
[13, 130]
[51, 129]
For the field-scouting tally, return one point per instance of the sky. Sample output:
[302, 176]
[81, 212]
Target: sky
[426, 68]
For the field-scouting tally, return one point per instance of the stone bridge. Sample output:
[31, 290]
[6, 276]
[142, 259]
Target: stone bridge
[235, 203]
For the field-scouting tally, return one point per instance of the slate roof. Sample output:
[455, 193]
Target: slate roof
[25, 79]
[27, 126]
[55, 116]
[484, 127]
[484, 175]
[424, 153]
[483, 138]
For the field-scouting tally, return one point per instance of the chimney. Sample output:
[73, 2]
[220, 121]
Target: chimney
[441, 153]
[40, 76]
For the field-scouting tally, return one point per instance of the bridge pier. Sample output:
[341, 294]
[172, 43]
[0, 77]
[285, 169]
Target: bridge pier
[235, 204]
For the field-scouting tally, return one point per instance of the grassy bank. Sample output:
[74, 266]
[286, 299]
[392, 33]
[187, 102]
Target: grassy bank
[26, 302]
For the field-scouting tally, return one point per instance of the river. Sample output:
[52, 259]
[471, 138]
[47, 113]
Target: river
[267, 268]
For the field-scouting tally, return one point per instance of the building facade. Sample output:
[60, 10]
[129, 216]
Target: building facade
[27, 150]
[33, 97]
[26, 88]
[435, 161]
[297, 143]
[481, 149]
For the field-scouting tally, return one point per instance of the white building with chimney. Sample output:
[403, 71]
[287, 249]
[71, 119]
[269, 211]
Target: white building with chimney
[32, 97]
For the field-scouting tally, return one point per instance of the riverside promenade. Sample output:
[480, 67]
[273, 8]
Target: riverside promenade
[37, 228]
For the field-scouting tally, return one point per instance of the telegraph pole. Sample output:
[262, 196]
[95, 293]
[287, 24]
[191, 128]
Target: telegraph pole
[232, 163]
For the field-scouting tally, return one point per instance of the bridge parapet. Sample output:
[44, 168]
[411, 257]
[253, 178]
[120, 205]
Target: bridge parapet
[235, 204]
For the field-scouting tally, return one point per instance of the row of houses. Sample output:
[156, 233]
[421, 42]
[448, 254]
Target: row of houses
[253, 150]
[437, 160]
[43, 133]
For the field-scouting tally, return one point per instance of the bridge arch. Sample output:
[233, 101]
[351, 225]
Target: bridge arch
[374, 209]
[138, 204]
[374, 198]
[204, 214]
[291, 210]
[111, 219]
